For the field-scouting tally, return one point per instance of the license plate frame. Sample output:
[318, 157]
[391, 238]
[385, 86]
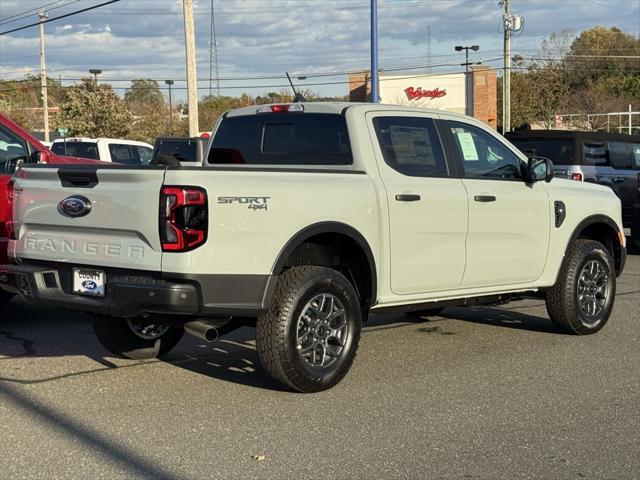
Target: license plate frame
[89, 282]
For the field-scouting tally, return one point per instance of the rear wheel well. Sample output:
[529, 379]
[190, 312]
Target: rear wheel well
[341, 252]
[604, 233]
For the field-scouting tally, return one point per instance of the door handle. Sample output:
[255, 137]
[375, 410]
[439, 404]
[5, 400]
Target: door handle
[618, 179]
[484, 198]
[408, 197]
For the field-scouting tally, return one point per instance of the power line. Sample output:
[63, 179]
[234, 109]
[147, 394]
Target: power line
[59, 17]
[28, 13]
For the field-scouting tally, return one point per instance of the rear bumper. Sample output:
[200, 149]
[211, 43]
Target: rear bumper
[131, 293]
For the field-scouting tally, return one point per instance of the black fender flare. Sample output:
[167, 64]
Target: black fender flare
[330, 227]
[620, 258]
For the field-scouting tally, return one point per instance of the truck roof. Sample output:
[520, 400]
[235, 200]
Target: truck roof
[104, 139]
[338, 108]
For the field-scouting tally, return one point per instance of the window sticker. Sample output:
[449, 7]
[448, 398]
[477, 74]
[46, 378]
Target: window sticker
[468, 146]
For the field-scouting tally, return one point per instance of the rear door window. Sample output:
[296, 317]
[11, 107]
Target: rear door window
[282, 139]
[122, 154]
[620, 155]
[76, 149]
[411, 146]
[635, 154]
[594, 153]
[144, 154]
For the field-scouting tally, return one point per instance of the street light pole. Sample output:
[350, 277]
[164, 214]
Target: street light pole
[43, 77]
[95, 72]
[468, 87]
[169, 83]
[375, 98]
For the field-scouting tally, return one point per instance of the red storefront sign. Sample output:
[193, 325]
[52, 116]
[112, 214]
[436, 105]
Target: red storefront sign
[416, 93]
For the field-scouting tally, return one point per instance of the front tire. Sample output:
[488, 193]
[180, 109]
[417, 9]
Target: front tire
[135, 339]
[582, 299]
[308, 339]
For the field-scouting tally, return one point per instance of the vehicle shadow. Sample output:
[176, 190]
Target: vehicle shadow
[26, 331]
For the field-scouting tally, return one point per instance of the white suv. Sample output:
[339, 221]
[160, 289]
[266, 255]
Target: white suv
[127, 152]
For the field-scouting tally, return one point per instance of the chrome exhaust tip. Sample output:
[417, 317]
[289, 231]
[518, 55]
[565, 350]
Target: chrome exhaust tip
[201, 330]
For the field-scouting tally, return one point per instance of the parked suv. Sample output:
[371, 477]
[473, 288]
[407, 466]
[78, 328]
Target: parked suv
[609, 159]
[126, 152]
[304, 219]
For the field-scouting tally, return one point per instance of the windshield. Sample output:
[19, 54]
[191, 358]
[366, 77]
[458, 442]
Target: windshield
[282, 139]
[560, 152]
[76, 149]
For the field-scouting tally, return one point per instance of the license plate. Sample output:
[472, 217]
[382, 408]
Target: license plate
[89, 282]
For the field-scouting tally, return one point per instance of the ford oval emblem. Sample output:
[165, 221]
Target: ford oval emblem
[89, 285]
[75, 206]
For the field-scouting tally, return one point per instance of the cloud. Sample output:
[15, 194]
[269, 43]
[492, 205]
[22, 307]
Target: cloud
[144, 38]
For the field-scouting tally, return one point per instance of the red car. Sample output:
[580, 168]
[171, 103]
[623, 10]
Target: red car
[18, 146]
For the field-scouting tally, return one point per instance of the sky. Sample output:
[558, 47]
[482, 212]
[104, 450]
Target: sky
[264, 38]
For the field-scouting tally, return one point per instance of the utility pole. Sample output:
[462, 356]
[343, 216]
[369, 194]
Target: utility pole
[506, 75]
[214, 69]
[375, 97]
[192, 80]
[43, 77]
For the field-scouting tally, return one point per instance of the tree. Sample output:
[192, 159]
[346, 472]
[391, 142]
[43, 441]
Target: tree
[144, 95]
[150, 112]
[95, 111]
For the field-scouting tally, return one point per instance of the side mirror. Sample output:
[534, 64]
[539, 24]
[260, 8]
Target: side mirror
[36, 156]
[540, 168]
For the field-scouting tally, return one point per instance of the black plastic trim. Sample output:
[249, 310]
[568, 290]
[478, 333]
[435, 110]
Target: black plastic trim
[330, 227]
[495, 299]
[134, 292]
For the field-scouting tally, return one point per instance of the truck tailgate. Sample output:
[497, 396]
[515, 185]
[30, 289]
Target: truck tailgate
[120, 228]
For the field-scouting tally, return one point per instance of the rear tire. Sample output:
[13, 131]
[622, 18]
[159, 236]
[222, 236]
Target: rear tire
[5, 296]
[581, 301]
[134, 339]
[308, 339]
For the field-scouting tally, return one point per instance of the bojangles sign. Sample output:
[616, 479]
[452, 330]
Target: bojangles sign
[416, 93]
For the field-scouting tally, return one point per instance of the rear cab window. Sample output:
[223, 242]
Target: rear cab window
[183, 150]
[282, 139]
[76, 149]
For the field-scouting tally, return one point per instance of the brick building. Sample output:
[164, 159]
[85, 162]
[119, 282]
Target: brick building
[441, 91]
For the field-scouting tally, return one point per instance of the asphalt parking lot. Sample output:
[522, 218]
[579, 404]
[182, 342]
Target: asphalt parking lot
[476, 393]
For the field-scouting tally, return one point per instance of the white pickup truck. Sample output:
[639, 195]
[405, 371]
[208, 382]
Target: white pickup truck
[306, 218]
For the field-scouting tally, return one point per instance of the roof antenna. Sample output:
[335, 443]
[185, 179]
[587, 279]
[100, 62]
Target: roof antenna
[297, 96]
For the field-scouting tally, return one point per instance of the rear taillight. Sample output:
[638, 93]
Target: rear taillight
[183, 218]
[577, 176]
[9, 224]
